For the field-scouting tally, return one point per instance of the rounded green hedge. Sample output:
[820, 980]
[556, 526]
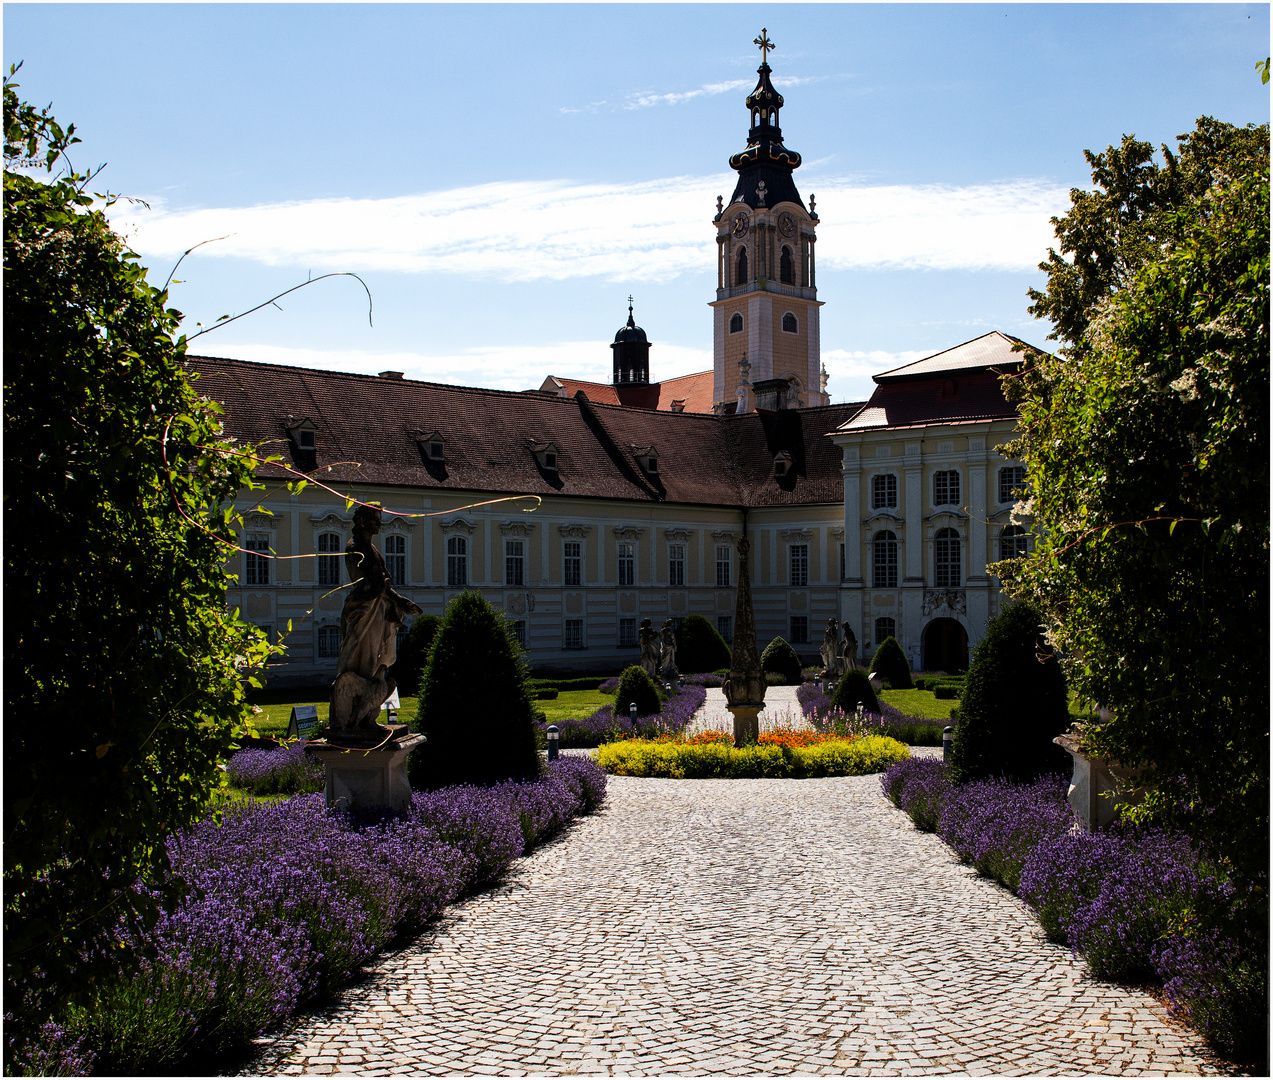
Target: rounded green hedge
[636, 685]
[854, 689]
[779, 656]
[890, 661]
[699, 647]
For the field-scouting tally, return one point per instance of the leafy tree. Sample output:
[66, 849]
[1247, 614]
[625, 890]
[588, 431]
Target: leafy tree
[414, 654]
[699, 646]
[779, 656]
[1146, 443]
[854, 689]
[636, 685]
[124, 672]
[476, 705]
[891, 662]
[1014, 703]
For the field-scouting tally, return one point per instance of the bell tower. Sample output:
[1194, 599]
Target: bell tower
[765, 315]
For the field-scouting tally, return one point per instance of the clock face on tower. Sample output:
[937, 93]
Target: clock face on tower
[740, 224]
[786, 224]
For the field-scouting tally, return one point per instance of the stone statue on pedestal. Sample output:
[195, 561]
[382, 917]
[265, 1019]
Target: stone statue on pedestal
[369, 623]
[667, 652]
[848, 649]
[831, 649]
[648, 638]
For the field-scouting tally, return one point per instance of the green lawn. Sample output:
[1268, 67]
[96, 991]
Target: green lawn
[921, 703]
[574, 705]
[276, 706]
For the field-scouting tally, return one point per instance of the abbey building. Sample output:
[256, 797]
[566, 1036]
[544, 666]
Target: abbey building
[882, 514]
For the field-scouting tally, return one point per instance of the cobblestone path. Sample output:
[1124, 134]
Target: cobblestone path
[747, 926]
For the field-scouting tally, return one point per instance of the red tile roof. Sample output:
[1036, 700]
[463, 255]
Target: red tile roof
[367, 430]
[973, 395]
[694, 390]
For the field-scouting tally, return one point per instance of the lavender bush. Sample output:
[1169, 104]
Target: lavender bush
[1137, 903]
[603, 726]
[283, 902]
[288, 770]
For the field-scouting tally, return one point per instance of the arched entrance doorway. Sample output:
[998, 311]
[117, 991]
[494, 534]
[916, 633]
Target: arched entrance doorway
[945, 646]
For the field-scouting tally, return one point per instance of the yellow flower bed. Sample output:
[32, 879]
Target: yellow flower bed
[690, 761]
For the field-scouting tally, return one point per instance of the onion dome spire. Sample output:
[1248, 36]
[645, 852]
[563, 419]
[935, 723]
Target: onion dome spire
[631, 353]
[765, 166]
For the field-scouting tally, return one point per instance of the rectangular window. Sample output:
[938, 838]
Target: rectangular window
[676, 566]
[515, 563]
[519, 631]
[627, 562]
[573, 636]
[328, 642]
[799, 629]
[572, 563]
[1011, 479]
[946, 488]
[256, 568]
[725, 626]
[457, 561]
[799, 565]
[884, 549]
[884, 628]
[396, 559]
[884, 491]
[947, 559]
[724, 561]
[627, 631]
[328, 559]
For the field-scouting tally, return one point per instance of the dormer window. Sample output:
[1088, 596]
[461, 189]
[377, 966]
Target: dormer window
[782, 464]
[302, 433]
[648, 458]
[545, 454]
[431, 445]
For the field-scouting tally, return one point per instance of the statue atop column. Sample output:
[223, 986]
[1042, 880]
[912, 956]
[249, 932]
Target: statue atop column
[745, 685]
[369, 623]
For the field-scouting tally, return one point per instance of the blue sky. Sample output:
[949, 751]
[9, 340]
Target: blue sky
[504, 176]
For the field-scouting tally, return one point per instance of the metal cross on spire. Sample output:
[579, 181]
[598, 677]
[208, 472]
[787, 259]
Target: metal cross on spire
[765, 45]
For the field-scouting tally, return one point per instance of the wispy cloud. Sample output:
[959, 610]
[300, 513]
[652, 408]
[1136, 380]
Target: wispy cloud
[850, 370]
[651, 231]
[514, 367]
[646, 100]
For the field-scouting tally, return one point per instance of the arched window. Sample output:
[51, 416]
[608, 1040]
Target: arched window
[947, 559]
[457, 561]
[736, 323]
[786, 269]
[885, 561]
[1012, 542]
[789, 324]
[740, 278]
[328, 559]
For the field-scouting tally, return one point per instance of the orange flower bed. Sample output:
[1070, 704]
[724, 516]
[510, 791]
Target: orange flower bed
[792, 738]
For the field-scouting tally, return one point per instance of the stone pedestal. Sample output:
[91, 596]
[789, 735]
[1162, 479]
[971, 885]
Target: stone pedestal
[1098, 786]
[367, 778]
[746, 723]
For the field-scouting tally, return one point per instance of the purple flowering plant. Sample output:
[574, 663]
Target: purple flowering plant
[283, 902]
[603, 726]
[286, 770]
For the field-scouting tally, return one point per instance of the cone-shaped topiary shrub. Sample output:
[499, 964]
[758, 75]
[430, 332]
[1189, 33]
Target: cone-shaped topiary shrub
[475, 702]
[699, 647]
[414, 653]
[855, 689]
[781, 657]
[636, 685]
[891, 662]
[1013, 704]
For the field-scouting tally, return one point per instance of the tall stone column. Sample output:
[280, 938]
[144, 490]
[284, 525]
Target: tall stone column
[745, 686]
